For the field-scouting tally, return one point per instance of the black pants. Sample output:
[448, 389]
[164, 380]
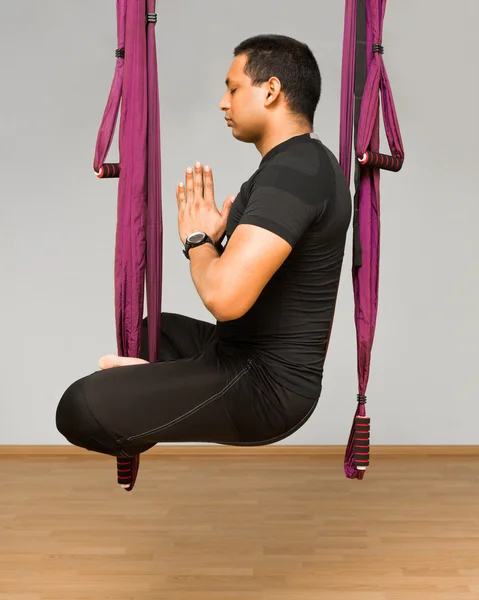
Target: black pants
[199, 390]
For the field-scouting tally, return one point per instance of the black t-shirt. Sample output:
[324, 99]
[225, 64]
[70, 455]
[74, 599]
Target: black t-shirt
[300, 193]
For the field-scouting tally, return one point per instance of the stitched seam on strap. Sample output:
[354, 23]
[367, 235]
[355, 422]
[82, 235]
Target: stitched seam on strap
[196, 408]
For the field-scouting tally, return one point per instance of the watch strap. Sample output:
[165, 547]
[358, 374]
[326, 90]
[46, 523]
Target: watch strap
[189, 245]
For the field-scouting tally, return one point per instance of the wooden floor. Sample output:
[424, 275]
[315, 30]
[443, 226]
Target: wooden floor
[239, 528]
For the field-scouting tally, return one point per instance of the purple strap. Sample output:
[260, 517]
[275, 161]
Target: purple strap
[108, 123]
[366, 277]
[154, 259]
[139, 231]
[347, 88]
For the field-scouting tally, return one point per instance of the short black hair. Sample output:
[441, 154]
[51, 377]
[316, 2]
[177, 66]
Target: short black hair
[292, 62]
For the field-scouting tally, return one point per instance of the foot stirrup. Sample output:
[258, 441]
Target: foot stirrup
[128, 470]
[362, 427]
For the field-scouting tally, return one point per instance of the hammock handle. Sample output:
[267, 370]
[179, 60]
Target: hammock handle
[109, 171]
[381, 161]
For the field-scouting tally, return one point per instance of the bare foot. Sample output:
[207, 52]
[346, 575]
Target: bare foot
[111, 360]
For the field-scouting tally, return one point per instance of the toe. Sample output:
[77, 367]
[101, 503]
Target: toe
[106, 362]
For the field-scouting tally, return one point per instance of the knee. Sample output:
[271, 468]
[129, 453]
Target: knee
[71, 410]
[75, 421]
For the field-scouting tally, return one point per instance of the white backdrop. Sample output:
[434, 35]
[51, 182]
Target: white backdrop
[57, 221]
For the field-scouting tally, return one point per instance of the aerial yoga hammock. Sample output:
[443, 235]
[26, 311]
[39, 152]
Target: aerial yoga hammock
[363, 78]
[139, 232]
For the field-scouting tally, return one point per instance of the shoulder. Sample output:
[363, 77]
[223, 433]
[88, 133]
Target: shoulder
[304, 170]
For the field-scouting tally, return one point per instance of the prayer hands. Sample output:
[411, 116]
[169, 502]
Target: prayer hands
[196, 205]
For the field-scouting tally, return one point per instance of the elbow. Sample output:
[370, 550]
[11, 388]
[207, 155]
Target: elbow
[225, 308]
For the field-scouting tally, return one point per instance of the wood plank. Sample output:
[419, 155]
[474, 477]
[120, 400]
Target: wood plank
[239, 527]
[271, 450]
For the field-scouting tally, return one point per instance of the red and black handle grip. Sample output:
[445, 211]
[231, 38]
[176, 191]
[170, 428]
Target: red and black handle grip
[381, 161]
[362, 434]
[127, 470]
[109, 171]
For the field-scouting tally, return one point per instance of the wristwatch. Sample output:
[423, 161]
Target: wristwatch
[198, 238]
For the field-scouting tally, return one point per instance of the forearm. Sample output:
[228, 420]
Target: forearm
[205, 272]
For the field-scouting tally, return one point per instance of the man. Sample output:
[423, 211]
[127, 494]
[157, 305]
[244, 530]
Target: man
[255, 376]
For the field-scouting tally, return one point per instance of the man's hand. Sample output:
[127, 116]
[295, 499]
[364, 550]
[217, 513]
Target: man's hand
[196, 205]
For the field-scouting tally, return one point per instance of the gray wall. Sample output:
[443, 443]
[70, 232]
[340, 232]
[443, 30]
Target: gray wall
[57, 221]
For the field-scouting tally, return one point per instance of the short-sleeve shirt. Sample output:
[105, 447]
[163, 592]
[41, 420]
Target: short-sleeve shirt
[299, 192]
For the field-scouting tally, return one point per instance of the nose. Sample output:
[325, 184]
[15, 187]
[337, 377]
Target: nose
[225, 103]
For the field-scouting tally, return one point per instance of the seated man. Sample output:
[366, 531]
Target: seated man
[255, 376]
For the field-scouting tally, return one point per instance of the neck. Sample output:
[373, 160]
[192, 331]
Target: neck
[278, 135]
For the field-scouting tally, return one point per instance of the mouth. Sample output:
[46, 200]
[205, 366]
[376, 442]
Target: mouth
[228, 121]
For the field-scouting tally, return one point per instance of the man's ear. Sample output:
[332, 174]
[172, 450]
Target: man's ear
[274, 89]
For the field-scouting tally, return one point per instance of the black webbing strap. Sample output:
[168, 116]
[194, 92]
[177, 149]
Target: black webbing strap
[359, 83]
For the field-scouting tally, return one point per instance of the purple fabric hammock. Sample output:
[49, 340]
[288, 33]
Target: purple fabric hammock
[364, 22]
[139, 233]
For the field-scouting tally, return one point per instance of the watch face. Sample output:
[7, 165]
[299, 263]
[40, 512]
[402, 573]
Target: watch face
[197, 237]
